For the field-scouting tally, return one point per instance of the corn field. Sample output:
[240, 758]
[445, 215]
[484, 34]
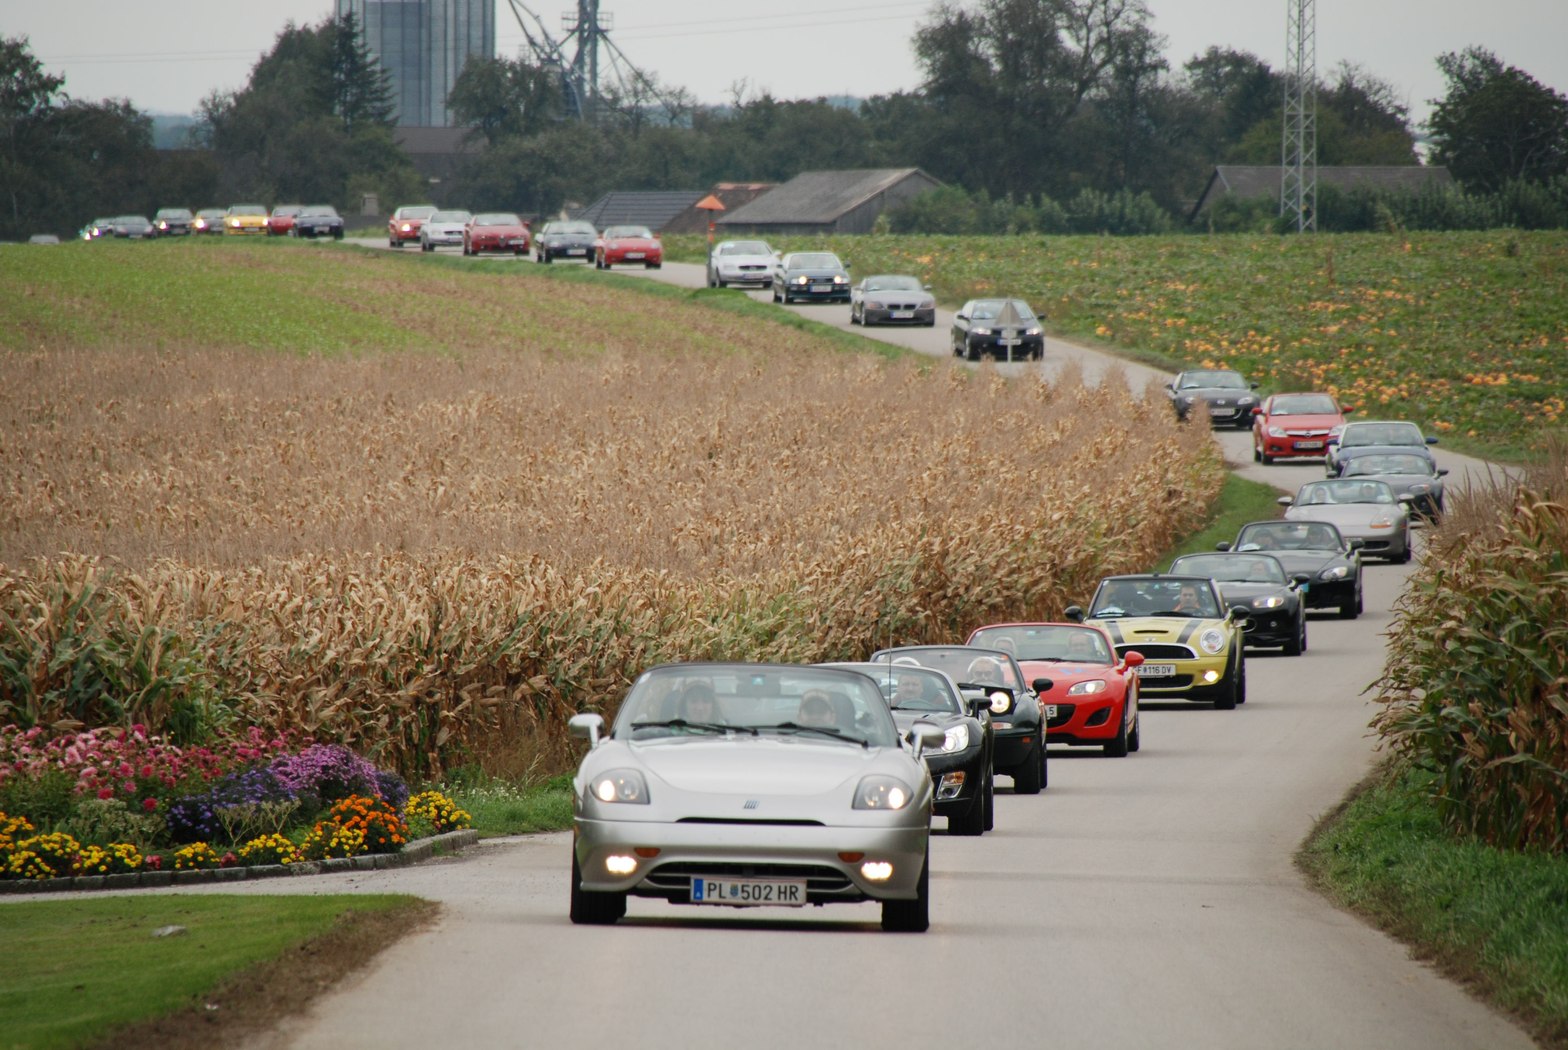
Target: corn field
[436, 559]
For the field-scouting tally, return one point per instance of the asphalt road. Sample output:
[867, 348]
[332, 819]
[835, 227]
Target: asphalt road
[1149, 901]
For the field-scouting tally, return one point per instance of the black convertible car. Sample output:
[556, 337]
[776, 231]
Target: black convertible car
[1016, 718]
[1222, 394]
[961, 768]
[1259, 584]
[1332, 563]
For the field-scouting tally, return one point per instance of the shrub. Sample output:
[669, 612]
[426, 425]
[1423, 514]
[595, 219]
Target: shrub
[196, 855]
[438, 811]
[383, 827]
[328, 840]
[45, 856]
[269, 849]
[209, 816]
[115, 859]
[102, 821]
[328, 772]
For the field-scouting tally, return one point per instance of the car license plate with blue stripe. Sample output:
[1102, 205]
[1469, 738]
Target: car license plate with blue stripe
[1155, 670]
[749, 892]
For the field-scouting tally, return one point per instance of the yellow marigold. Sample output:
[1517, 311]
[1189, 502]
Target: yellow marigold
[269, 849]
[196, 855]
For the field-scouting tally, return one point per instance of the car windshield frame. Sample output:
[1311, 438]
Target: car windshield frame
[892, 282]
[1045, 641]
[1389, 433]
[1303, 405]
[496, 218]
[986, 309]
[744, 248]
[412, 212]
[456, 215]
[580, 227]
[1290, 536]
[628, 232]
[957, 661]
[1213, 379]
[814, 261]
[756, 700]
[1140, 596]
[1207, 564]
[1378, 463]
[1338, 492]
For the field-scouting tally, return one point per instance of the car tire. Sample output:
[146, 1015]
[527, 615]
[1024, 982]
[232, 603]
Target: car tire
[1349, 608]
[393, 242]
[1298, 641]
[1030, 776]
[1117, 747]
[1241, 678]
[590, 908]
[1405, 555]
[718, 282]
[1262, 457]
[911, 916]
[972, 353]
[1135, 735]
[990, 798]
[1227, 700]
[972, 820]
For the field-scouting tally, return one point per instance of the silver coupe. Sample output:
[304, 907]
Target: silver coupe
[743, 785]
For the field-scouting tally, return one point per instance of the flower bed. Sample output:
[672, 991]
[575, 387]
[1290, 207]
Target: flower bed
[119, 802]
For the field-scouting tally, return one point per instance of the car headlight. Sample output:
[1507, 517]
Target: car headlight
[927, 304]
[1032, 331]
[1276, 432]
[1185, 401]
[839, 278]
[1089, 688]
[1334, 572]
[1212, 641]
[1001, 702]
[872, 304]
[979, 331]
[879, 791]
[957, 739]
[620, 785]
[1243, 402]
[1272, 601]
[1383, 521]
[803, 279]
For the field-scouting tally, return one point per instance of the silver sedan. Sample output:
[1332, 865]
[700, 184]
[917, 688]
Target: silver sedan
[744, 785]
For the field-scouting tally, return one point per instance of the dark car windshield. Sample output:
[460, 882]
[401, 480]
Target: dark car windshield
[1213, 380]
[986, 308]
[908, 688]
[815, 261]
[499, 218]
[1289, 536]
[416, 213]
[1387, 463]
[1381, 434]
[585, 228]
[173, 213]
[744, 701]
[893, 283]
[1232, 568]
[321, 209]
[1082, 645]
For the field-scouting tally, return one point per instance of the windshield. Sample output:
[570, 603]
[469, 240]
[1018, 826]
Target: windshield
[744, 701]
[450, 216]
[247, 209]
[1213, 380]
[1155, 596]
[1381, 434]
[986, 308]
[1387, 464]
[1232, 568]
[628, 231]
[501, 218]
[287, 210]
[1331, 492]
[1082, 645]
[320, 209]
[585, 228]
[415, 213]
[1290, 536]
[173, 213]
[814, 260]
[907, 688]
[965, 664]
[1304, 405]
[893, 284]
[745, 248]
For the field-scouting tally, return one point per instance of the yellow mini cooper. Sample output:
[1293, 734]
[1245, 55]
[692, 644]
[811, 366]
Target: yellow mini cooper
[1191, 643]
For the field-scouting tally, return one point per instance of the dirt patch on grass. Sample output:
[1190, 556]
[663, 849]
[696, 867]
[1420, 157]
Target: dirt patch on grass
[253, 1002]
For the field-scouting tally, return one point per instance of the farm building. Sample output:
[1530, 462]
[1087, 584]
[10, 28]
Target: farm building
[827, 202]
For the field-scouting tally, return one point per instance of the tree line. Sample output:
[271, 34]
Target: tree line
[1039, 114]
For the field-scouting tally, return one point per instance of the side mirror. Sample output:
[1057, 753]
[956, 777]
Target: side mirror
[1257, 410]
[960, 317]
[587, 727]
[1301, 579]
[1041, 685]
[1357, 543]
[1074, 613]
[1442, 472]
[1132, 658]
[923, 736]
[1239, 615]
[1222, 545]
[1285, 501]
[1431, 440]
[979, 705]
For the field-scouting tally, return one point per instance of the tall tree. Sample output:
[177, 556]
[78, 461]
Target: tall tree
[1497, 123]
[502, 97]
[360, 88]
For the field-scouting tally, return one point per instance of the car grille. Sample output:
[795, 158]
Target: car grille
[1064, 714]
[1157, 651]
[676, 878]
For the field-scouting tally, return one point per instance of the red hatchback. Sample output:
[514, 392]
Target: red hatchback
[495, 231]
[405, 223]
[1288, 426]
[1089, 695]
[629, 244]
[281, 221]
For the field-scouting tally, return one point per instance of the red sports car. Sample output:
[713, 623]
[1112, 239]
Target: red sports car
[405, 223]
[1089, 696]
[1294, 425]
[495, 231]
[629, 244]
[281, 221]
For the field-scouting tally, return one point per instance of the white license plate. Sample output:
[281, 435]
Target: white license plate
[749, 892]
[577, 251]
[1050, 710]
[634, 255]
[1309, 444]
[820, 288]
[1155, 670]
[1009, 342]
[901, 315]
[1218, 411]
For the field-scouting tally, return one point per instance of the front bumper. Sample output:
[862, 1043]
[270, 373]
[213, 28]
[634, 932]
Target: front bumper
[1092, 720]
[497, 244]
[1017, 349]
[1294, 447]
[899, 315]
[740, 275]
[826, 292]
[1271, 628]
[1332, 594]
[969, 762]
[755, 850]
[1012, 747]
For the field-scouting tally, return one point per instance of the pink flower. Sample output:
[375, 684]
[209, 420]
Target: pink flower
[150, 804]
[153, 861]
[129, 787]
[105, 793]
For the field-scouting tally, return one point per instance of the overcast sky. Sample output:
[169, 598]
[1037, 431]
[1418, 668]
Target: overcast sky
[166, 55]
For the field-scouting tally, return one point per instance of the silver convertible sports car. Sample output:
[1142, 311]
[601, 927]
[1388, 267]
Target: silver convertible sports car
[741, 785]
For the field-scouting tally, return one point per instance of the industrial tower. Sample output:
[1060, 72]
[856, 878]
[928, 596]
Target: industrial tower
[1299, 148]
[587, 35]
